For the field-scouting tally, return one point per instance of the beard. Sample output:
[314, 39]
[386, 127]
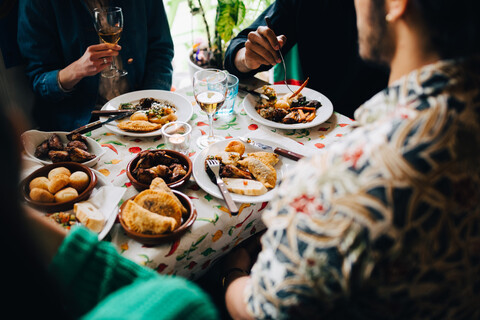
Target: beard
[376, 40]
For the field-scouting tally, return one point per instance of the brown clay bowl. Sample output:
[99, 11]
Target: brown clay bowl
[154, 239]
[58, 206]
[184, 160]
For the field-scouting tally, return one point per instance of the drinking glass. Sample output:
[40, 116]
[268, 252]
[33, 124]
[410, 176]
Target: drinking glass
[177, 136]
[109, 26]
[210, 89]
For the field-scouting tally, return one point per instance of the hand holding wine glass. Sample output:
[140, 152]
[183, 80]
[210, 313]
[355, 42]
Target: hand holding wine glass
[210, 88]
[109, 26]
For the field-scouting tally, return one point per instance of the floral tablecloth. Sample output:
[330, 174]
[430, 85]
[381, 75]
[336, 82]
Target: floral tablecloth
[215, 231]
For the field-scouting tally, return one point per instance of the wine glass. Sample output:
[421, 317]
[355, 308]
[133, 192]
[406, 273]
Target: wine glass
[210, 89]
[109, 26]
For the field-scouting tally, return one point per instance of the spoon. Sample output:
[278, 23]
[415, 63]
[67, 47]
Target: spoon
[267, 20]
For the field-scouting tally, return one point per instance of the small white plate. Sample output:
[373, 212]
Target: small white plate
[32, 138]
[203, 180]
[323, 113]
[184, 109]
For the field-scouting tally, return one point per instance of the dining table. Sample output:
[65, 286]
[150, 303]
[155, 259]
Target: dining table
[215, 231]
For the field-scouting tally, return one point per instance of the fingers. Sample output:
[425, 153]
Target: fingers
[262, 47]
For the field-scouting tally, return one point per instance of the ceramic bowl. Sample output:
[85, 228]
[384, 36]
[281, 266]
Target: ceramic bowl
[32, 138]
[184, 160]
[58, 206]
[150, 239]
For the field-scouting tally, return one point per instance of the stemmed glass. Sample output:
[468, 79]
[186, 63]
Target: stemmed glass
[209, 88]
[109, 26]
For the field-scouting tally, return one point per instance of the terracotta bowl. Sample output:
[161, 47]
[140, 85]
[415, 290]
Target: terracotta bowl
[184, 160]
[58, 206]
[149, 239]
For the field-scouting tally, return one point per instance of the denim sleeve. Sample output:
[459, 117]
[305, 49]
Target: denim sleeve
[158, 69]
[37, 40]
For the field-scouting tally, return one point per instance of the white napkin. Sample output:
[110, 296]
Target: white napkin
[106, 200]
[286, 143]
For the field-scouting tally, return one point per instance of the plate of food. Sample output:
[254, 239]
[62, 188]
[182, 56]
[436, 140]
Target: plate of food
[52, 147]
[277, 107]
[154, 108]
[250, 174]
[94, 213]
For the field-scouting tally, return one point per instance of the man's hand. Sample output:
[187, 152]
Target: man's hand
[95, 59]
[261, 48]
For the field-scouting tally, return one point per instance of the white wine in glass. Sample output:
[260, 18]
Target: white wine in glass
[210, 88]
[109, 26]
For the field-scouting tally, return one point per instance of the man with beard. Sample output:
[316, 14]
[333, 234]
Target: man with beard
[329, 57]
[385, 224]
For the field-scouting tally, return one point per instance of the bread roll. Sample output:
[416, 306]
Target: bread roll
[79, 180]
[39, 182]
[89, 216]
[41, 195]
[57, 171]
[58, 182]
[66, 194]
[235, 146]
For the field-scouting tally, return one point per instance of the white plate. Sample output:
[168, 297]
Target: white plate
[32, 138]
[184, 109]
[323, 113]
[110, 216]
[203, 180]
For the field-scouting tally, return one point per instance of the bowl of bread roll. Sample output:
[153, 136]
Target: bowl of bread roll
[58, 186]
[157, 215]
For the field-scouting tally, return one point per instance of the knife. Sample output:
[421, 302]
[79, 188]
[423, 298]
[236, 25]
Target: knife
[283, 152]
[108, 112]
[97, 124]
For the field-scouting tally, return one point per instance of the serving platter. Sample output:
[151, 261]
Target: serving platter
[322, 114]
[184, 109]
[204, 182]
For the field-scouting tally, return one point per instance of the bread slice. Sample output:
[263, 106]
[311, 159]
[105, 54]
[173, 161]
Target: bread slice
[245, 186]
[89, 216]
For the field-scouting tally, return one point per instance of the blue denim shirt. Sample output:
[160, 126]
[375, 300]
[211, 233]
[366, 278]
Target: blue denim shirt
[53, 34]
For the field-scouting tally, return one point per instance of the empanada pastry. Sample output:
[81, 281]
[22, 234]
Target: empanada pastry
[228, 157]
[262, 172]
[159, 184]
[139, 115]
[138, 126]
[160, 202]
[141, 220]
[266, 157]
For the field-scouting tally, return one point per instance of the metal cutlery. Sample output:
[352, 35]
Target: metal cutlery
[97, 124]
[280, 151]
[267, 21]
[214, 165]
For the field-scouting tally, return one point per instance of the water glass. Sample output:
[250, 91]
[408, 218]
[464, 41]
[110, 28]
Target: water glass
[177, 136]
[232, 91]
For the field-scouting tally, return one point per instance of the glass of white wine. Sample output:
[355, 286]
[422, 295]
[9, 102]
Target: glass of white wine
[109, 26]
[209, 88]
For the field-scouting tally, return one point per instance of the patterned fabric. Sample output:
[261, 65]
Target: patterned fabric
[385, 223]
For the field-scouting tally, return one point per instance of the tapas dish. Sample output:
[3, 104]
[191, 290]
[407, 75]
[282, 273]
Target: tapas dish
[54, 147]
[275, 106]
[251, 175]
[157, 214]
[154, 108]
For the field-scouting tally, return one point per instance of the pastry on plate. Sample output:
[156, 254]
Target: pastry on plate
[141, 220]
[160, 202]
[138, 126]
[160, 185]
[262, 172]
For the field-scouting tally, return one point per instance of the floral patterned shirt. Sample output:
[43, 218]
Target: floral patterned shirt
[386, 223]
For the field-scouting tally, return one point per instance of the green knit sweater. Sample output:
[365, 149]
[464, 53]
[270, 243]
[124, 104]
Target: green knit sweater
[101, 284]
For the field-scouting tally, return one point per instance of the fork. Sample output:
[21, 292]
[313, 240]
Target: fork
[267, 21]
[214, 165]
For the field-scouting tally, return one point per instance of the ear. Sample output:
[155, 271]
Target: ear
[395, 9]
